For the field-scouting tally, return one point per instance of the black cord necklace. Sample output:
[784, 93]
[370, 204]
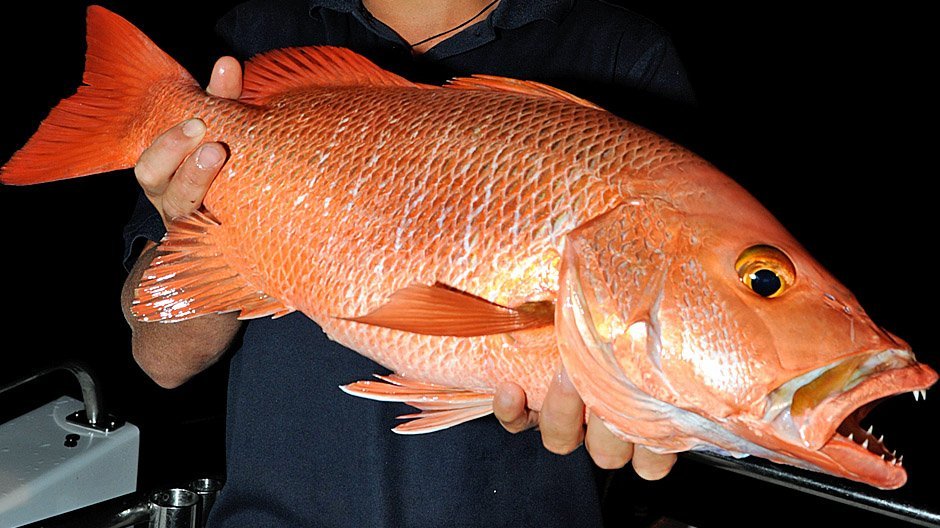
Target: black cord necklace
[455, 28]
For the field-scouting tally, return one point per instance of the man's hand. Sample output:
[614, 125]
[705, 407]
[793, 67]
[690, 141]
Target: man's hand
[175, 176]
[561, 422]
[173, 173]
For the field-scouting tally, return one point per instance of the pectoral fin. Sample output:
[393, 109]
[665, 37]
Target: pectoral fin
[441, 310]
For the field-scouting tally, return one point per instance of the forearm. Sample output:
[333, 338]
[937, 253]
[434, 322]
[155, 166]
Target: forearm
[172, 353]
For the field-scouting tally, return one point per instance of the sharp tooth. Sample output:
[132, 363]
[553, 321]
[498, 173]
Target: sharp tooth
[871, 428]
[916, 395]
[894, 453]
[852, 436]
[883, 457]
[865, 444]
[923, 394]
[881, 439]
[901, 460]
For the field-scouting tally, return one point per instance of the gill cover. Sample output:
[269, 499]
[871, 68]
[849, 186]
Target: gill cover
[603, 324]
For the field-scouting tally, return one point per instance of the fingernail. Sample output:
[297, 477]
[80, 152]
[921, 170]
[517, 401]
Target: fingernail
[208, 157]
[194, 128]
[564, 382]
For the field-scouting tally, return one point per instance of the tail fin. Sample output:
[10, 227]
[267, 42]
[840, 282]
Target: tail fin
[99, 128]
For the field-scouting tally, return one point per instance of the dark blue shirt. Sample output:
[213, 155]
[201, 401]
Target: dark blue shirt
[300, 452]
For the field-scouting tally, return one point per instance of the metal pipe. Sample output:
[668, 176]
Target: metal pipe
[119, 512]
[86, 380]
[839, 490]
[207, 491]
[173, 508]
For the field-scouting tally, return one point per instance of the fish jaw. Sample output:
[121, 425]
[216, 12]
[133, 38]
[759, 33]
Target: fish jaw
[828, 437]
[879, 375]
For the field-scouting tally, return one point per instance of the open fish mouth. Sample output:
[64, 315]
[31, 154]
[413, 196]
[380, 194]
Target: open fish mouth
[827, 407]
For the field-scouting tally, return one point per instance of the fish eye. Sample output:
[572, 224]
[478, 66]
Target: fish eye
[765, 270]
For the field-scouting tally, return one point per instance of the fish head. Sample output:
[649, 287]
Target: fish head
[694, 320]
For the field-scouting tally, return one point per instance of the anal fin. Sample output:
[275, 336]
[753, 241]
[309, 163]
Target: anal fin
[190, 277]
[441, 407]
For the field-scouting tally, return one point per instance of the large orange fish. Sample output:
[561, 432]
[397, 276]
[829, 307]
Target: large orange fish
[492, 230]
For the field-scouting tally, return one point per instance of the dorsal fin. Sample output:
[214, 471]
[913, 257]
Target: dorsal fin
[505, 84]
[280, 71]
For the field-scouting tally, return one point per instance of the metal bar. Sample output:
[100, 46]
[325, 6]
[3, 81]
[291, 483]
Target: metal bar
[838, 490]
[119, 512]
[86, 380]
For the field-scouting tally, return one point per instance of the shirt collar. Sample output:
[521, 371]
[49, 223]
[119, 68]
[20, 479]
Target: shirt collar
[509, 14]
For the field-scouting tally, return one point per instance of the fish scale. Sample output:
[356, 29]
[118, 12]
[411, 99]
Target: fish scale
[434, 247]
[493, 230]
[466, 246]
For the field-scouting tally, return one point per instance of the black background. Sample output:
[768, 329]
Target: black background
[824, 113]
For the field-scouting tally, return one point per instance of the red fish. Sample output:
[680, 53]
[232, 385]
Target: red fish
[492, 230]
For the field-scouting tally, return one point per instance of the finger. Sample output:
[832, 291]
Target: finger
[156, 165]
[226, 79]
[650, 465]
[509, 407]
[190, 183]
[607, 449]
[562, 416]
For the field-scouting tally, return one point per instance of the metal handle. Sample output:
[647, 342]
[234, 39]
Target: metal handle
[86, 381]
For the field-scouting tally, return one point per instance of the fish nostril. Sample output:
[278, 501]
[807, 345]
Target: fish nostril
[836, 304]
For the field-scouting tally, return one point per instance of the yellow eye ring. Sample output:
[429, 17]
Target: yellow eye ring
[765, 270]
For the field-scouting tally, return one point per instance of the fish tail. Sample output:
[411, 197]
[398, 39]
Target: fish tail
[99, 128]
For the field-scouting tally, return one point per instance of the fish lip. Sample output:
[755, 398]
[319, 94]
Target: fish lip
[819, 426]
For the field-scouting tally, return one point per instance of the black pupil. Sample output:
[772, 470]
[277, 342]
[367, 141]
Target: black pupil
[765, 282]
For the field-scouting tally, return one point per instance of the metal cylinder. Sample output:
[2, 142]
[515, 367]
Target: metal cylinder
[206, 490]
[173, 508]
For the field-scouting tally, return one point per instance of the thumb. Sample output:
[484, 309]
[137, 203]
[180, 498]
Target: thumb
[226, 80]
